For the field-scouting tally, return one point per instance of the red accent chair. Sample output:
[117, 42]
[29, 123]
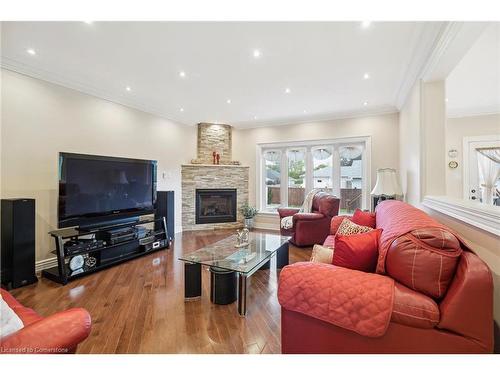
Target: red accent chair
[442, 301]
[57, 334]
[311, 228]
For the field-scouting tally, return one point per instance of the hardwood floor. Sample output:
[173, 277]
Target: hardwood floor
[139, 307]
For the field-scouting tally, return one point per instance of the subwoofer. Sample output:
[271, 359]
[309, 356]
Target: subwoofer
[165, 207]
[18, 242]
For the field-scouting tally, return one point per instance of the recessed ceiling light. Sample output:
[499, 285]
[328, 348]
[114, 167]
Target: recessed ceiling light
[304, 111]
[182, 74]
[31, 51]
[287, 91]
[256, 53]
[366, 76]
[228, 101]
[255, 117]
[182, 109]
[365, 104]
[366, 24]
[128, 88]
[89, 22]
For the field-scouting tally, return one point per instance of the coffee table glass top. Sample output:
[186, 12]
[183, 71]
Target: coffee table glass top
[225, 254]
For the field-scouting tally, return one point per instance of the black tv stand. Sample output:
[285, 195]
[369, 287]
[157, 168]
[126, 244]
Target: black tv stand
[109, 254]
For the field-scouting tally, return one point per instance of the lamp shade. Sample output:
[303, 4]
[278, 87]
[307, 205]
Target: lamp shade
[387, 183]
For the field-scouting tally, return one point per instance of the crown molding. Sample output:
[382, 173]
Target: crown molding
[341, 115]
[448, 33]
[427, 41]
[471, 112]
[67, 82]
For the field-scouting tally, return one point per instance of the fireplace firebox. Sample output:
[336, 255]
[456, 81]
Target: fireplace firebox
[215, 206]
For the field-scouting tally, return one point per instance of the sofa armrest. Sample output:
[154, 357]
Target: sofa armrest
[308, 216]
[467, 308]
[284, 212]
[58, 333]
[354, 300]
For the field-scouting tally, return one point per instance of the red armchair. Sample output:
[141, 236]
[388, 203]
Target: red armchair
[59, 333]
[311, 228]
[442, 295]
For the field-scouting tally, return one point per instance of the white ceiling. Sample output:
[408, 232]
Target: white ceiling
[321, 63]
[473, 87]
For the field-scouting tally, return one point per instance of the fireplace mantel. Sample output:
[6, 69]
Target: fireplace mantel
[215, 165]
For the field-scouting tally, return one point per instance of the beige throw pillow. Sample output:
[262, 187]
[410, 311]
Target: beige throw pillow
[347, 228]
[322, 254]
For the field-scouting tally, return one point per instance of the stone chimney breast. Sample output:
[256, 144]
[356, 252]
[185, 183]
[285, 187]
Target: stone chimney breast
[214, 137]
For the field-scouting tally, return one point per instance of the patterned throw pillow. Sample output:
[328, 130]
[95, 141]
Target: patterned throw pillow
[348, 228]
[321, 254]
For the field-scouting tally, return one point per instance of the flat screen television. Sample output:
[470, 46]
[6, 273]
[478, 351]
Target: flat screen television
[96, 189]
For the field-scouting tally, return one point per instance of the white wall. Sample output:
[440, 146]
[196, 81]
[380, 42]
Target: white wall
[383, 130]
[433, 131]
[456, 130]
[40, 119]
[409, 146]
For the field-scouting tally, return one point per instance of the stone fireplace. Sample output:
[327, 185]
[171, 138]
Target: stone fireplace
[212, 195]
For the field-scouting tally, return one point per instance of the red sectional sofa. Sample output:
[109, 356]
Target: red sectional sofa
[57, 334]
[311, 228]
[440, 299]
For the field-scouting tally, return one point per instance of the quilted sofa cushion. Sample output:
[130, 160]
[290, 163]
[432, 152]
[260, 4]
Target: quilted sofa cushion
[354, 300]
[414, 309]
[424, 260]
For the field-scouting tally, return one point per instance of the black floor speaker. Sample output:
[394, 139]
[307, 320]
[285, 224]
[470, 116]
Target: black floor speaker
[18, 242]
[165, 207]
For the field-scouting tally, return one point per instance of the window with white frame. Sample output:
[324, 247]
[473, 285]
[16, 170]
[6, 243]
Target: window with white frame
[290, 170]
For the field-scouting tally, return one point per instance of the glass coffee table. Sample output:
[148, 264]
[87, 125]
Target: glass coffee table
[244, 261]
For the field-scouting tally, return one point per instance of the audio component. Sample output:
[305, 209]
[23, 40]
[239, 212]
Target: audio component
[115, 236]
[82, 246]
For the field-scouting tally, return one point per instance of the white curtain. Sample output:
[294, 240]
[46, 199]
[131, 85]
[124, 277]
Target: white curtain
[489, 172]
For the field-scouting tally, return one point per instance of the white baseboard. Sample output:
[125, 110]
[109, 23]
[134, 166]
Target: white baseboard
[46, 263]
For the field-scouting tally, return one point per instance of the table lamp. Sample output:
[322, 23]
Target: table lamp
[387, 186]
